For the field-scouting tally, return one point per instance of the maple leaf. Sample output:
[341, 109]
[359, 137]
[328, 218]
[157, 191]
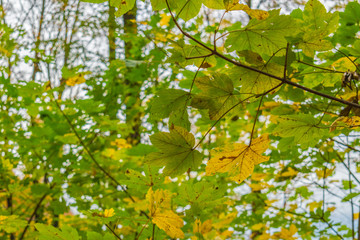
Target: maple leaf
[172, 103]
[165, 19]
[321, 174]
[263, 36]
[256, 83]
[287, 234]
[253, 13]
[290, 172]
[167, 220]
[176, 151]
[120, 143]
[78, 79]
[202, 228]
[304, 128]
[108, 213]
[217, 95]
[240, 159]
[349, 122]
[122, 6]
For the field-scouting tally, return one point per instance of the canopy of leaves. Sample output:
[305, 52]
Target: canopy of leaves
[179, 119]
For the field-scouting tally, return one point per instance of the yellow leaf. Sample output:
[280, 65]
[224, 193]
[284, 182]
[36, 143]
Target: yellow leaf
[253, 13]
[138, 205]
[356, 216]
[345, 64]
[270, 202]
[202, 228]
[258, 176]
[225, 220]
[160, 199]
[350, 122]
[264, 236]
[293, 207]
[111, 153]
[158, 203]
[165, 19]
[108, 213]
[239, 160]
[197, 226]
[320, 173]
[287, 234]
[2, 218]
[270, 105]
[6, 165]
[226, 234]
[259, 186]
[170, 223]
[331, 209]
[78, 79]
[290, 172]
[314, 205]
[120, 143]
[258, 226]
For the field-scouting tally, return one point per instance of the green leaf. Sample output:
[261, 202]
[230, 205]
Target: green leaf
[12, 223]
[176, 151]
[58, 207]
[355, 50]
[255, 83]
[351, 13]
[263, 36]
[190, 9]
[122, 6]
[69, 138]
[49, 232]
[316, 17]
[94, 1]
[217, 95]
[39, 189]
[158, 5]
[201, 195]
[214, 4]
[348, 185]
[304, 128]
[191, 54]
[350, 196]
[149, 178]
[324, 79]
[317, 25]
[313, 41]
[98, 236]
[172, 103]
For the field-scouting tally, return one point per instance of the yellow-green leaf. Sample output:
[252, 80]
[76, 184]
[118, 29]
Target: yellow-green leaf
[176, 151]
[239, 159]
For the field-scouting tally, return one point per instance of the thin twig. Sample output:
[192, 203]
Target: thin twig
[112, 231]
[318, 67]
[256, 117]
[34, 213]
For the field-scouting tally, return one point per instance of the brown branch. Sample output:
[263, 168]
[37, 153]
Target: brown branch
[318, 67]
[112, 231]
[93, 158]
[257, 70]
[256, 117]
[34, 213]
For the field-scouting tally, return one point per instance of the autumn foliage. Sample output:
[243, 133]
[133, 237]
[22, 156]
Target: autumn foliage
[202, 119]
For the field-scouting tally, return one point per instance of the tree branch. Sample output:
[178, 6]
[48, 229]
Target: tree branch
[257, 70]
